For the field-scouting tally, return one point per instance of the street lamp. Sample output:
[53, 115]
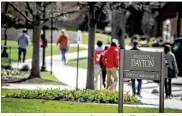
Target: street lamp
[43, 68]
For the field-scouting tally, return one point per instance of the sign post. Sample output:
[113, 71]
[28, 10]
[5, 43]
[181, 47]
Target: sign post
[121, 73]
[79, 37]
[141, 65]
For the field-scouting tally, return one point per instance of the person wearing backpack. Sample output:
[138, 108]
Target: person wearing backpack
[103, 67]
[171, 70]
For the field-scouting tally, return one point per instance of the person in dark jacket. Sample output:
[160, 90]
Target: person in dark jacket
[170, 61]
[135, 44]
[103, 67]
[23, 42]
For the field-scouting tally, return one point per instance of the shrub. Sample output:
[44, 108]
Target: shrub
[9, 74]
[94, 96]
[25, 68]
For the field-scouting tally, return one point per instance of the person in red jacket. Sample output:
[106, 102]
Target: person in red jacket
[97, 69]
[111, 61]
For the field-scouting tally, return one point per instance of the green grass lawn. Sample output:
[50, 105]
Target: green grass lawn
[14, 52]
[82, 63]
[10, 91]
[15, 105]
[46, 76]
[99, 36]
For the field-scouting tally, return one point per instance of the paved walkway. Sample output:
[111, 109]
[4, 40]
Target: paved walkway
[68, 76]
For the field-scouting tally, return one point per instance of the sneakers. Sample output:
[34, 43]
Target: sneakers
[139, 96]
[136, 95]
[168, 97]
[65, 62]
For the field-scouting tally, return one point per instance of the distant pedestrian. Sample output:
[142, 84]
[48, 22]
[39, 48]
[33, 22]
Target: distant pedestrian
[111, 61]
[63, 42]
[97, 69]
[103, 67]
[171, 70]
[23, 42]
[138, 93]
[43, 44]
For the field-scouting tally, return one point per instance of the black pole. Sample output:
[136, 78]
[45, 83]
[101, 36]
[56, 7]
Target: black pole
[51, 41]
[4, 53]
[77, 66]
[43, 68]
[10, 56]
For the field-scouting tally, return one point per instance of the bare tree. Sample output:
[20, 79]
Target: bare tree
[94, 11]
[35, 9]
[120, 13]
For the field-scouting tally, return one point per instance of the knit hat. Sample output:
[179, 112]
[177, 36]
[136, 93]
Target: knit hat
[115, 41]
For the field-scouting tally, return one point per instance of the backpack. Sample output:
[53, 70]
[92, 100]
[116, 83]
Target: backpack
[103, 67]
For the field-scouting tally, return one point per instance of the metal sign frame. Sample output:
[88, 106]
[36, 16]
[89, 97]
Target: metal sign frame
[124, 69]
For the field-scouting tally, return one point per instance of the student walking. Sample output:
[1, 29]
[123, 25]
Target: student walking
[43, 44]
[63, 42]
[138, 93]
[97, 69]
[103, 67]
[111, 61]
[23, 42]
[171, 70]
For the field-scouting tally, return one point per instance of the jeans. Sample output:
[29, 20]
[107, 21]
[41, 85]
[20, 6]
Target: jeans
[20, 51]
[138, 87]
[168, 87]
[63, 52]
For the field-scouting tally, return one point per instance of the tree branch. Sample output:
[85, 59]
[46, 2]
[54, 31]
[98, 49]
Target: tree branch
[99, 12]
[59, 15]
[30, 10]
[19, 11]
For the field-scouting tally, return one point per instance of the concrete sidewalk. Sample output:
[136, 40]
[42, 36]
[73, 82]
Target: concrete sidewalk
[67, 75]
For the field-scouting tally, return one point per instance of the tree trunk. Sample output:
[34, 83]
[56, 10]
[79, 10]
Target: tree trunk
[35, 71]
[91, 45]
[119, 20]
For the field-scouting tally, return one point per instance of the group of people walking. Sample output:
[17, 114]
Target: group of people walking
[24, 40]
[107, 63]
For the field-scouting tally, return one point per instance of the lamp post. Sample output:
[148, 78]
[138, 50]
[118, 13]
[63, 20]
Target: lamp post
[43, 68]
[51, 41]
[4, 53]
